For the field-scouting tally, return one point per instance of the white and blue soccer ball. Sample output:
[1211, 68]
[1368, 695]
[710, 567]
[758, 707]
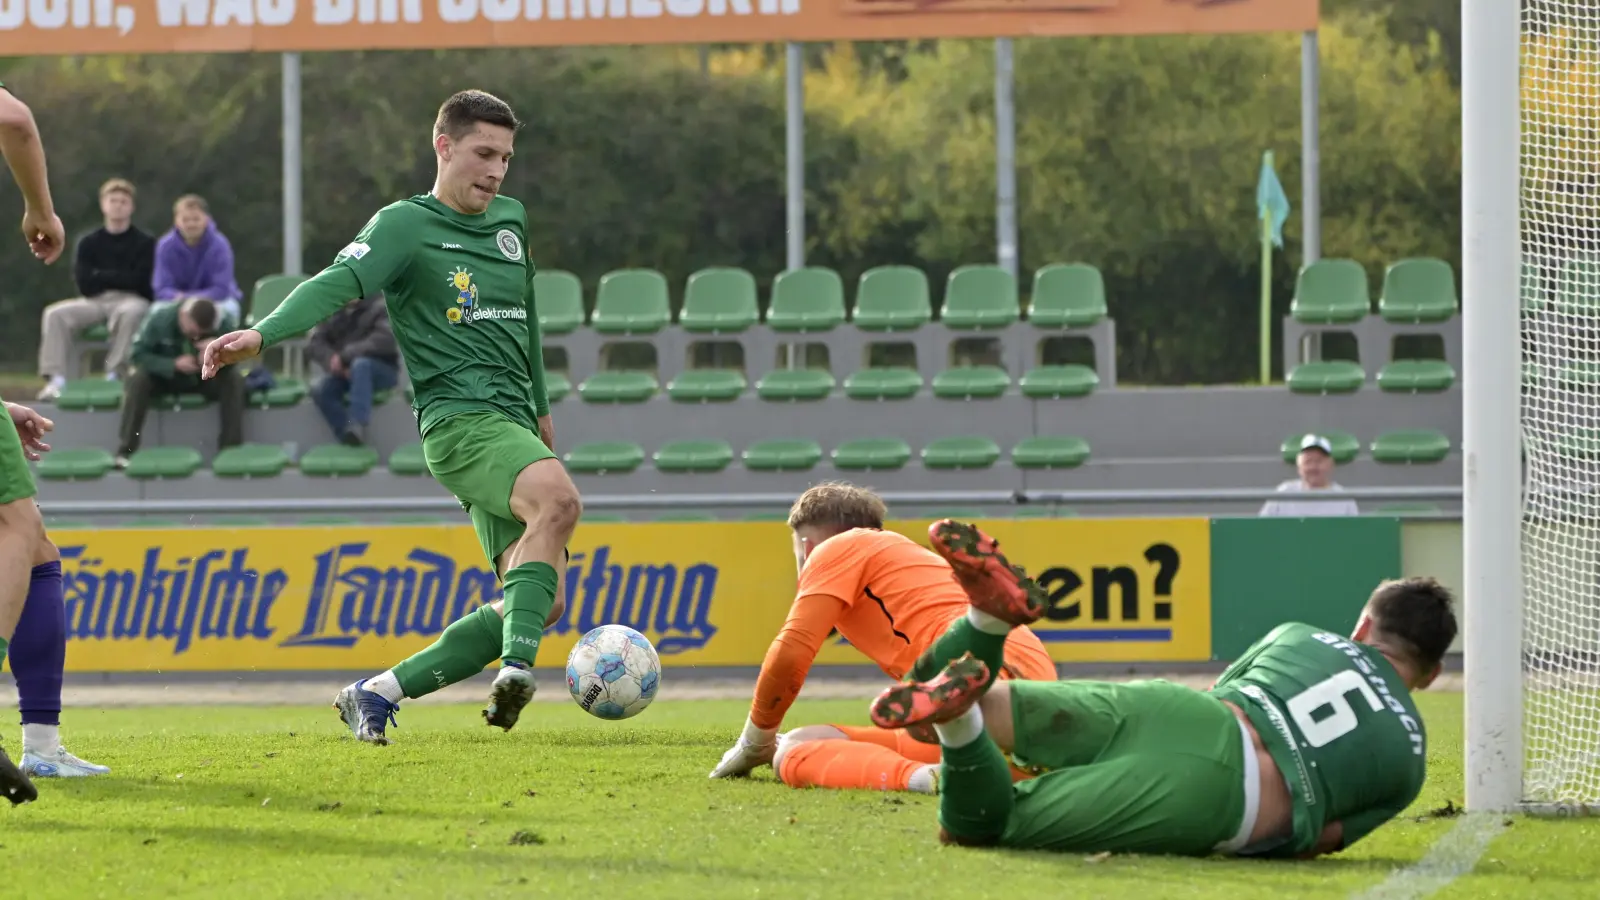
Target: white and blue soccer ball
[613, 672]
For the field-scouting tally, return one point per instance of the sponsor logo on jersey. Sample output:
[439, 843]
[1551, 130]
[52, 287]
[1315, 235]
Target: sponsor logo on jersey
[510, 245]
[449, 246]
[466, 297]
[354, 250]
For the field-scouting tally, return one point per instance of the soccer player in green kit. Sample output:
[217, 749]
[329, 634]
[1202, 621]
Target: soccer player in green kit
[454, 266]
[1304, 745]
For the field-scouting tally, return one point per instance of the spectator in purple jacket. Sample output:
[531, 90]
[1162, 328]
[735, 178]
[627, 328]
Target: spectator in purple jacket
[195, 260]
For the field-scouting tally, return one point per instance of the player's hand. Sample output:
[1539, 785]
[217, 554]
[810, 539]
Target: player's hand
[754, 749]
[31, 427]
[547, 432]
[186, 364]
[235, 346]
[45, 236]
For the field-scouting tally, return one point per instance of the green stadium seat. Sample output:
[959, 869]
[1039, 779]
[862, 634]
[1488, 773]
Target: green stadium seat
[1067, 295]
[96, 332]
[780, 455]
[1575, 443]
[284, 392]
[693, 456]
[892, 298]
[1055, 382]
[556, 386]
[1345, 445]
[408, 460]
[1418, 290]
[178, 402]
[558, 296]
[618, 387]
[719, 300]
[977, 297]
[1050, 452]
[379, 398]
[971, 383]
[163, 462]
[1415, 376]
[604, 457]
[707, 386]
[1411, 446]
[872, 453]
[1331, 292]
[75, 464]
[1334, 376]
[90, 395]
[686, 515]
[795, 384]
[250, 461]
[887, 383]
[809, 299]
[338, 461]
[631, 301]
[268, 293]
[961, 452]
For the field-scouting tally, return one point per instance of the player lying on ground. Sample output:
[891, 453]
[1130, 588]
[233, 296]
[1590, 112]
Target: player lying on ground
[891, 599]
[1305, 744]
[454, 267]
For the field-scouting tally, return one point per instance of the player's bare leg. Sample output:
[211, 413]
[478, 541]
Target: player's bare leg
[21, 534]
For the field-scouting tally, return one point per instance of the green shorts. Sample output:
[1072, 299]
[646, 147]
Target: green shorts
[1144, 767]
[477, 456]
[16, 479]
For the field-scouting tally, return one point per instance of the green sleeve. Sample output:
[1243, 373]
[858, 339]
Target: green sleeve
[146, 353]
[372, 262]
[309, 303]
[541, 397]
[1248, 657]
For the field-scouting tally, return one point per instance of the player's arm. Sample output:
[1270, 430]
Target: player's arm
[24, 152]
[541, 395]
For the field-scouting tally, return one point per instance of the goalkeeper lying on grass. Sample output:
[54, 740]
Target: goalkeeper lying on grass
[1303, 746]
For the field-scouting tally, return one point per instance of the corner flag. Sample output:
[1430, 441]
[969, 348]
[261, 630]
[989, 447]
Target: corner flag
[1272, 210]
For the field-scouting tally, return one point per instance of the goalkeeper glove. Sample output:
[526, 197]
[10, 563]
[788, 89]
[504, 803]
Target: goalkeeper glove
[755, 748]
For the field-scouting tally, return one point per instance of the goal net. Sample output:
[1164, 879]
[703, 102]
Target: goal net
[1560, 226]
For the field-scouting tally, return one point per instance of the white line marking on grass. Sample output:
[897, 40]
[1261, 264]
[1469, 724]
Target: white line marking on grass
[1454, 855]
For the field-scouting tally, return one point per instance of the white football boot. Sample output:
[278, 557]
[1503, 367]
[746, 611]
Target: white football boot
[59, 764]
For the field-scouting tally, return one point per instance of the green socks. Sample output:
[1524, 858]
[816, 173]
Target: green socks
[463, 649]
[975, 793]
[960, 638]
[530, 593]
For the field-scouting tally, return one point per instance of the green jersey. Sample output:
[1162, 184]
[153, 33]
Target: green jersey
[1340, 724]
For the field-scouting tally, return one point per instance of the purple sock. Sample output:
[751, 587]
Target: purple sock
[39, 648]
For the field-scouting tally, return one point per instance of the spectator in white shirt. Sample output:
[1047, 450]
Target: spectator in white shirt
[1315, 464]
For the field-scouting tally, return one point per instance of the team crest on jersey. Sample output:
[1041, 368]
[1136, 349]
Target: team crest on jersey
[466, 297]
[510, 245]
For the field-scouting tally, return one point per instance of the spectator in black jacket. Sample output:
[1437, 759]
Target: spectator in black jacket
[112, 267]
[356, 349]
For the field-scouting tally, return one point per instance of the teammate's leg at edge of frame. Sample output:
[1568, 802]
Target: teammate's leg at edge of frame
[21, 530]
[38, 663]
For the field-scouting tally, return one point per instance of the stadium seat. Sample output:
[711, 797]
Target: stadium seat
[338, 461]
[618, 387]
[558, 296]
[872, 453]
[75, 464]
[1411, 446]
[90, 395]
[961, 452]
[706, 386]
[96, 332]
[1054, 382]
[631, 301]
[284, 392]
[1050, 452]
[163, 462]
[179, 402]
[979, 296]
[1067, 295]
[693, 456]
[719, 300]
[268, 293]
[556, 386]
[809, 299]
[779, 455]
[1415, 376]
[1418, 290]
[604, 457]
[1334, 376]
[795, 384]
[408, 460]
[886, 383]
[892, 298]
[1577, 289]
[250, 461]
[971, 383]
[1345, 446]
[1331, 292]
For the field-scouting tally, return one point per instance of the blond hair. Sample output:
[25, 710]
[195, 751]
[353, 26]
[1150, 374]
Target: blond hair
[117, 185]
[835, 504]
[191, 200]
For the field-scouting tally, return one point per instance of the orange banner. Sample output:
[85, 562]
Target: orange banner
[73, 27]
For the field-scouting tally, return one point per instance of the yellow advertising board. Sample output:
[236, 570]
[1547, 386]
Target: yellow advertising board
[75, 27]
[334, 598]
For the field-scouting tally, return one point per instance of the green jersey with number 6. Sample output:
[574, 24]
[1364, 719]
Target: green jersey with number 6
[1339, 722]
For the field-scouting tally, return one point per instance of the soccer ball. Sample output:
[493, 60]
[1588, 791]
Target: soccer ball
[613, 672]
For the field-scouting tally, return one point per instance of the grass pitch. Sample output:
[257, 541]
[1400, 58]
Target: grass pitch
[268, 802]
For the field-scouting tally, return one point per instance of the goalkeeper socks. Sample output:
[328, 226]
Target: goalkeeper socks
[530, 593]
[463, 649]
[960, 638]
[41, 655]
[975, 793]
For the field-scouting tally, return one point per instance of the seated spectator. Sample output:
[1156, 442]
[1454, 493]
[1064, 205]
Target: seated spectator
[112, 267]
[356, 349]
[166, 360]
[195, 260]
[1315, 463]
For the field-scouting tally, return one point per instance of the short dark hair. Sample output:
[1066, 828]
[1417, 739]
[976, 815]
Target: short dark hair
[834, 504]
[1415, 618]
[203, 312]
[465, 109]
